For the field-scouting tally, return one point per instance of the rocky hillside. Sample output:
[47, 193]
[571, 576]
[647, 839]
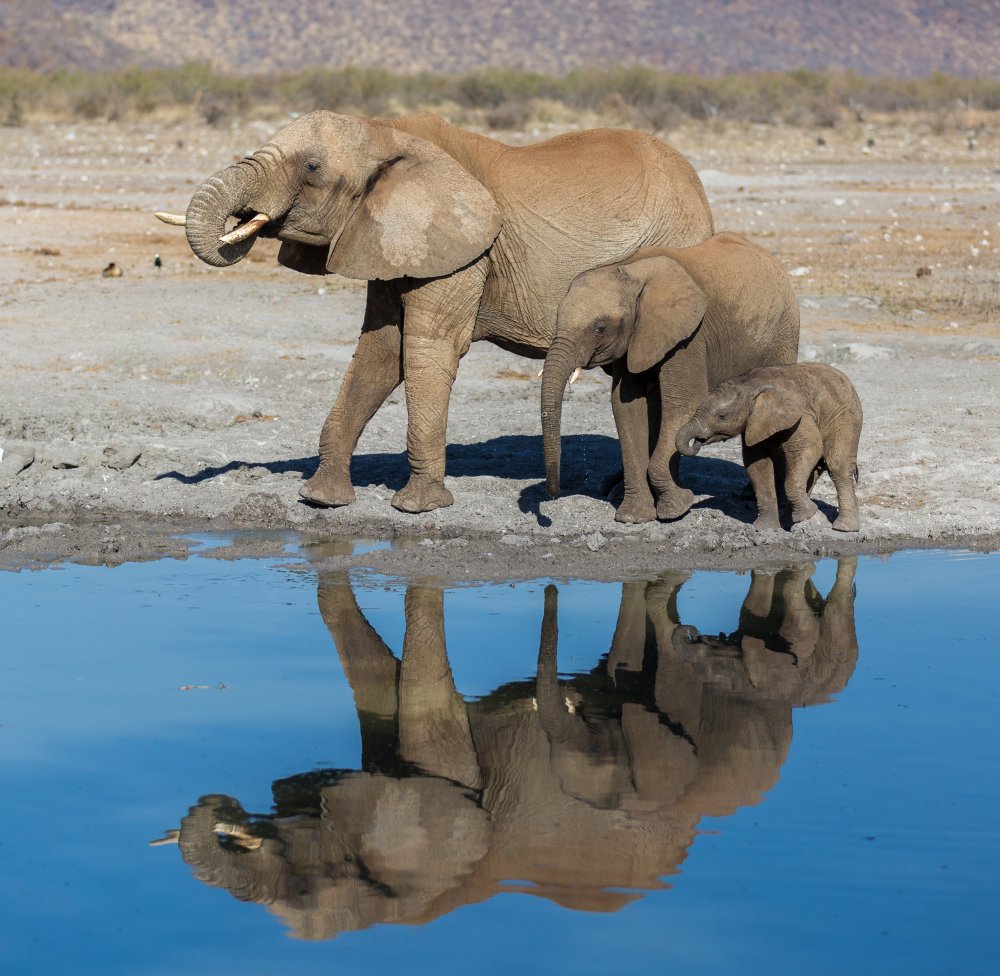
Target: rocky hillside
[898, 37]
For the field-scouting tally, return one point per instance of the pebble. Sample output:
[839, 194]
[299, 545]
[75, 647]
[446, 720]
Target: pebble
[121, 458]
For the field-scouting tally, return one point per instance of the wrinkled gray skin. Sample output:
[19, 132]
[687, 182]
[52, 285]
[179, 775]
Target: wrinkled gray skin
[674, 323]
[587, 789]
[461, 238]
[807, 415]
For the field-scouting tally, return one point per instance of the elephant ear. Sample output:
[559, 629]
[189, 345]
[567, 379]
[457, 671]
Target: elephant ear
[772, 411]
[669, 310]
[422, 215]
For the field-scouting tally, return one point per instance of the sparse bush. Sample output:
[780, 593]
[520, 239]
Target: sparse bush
[509, 115]
[499, 97]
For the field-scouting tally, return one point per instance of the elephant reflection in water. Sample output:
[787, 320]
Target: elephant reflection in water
[579, 787]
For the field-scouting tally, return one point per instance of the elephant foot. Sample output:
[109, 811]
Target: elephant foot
[328, 489]
[803, 511]
[635, 511]
[674, 505]
[422, 496]
[847, 522]
[767, 522]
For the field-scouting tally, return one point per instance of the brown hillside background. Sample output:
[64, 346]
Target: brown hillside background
[905, 38]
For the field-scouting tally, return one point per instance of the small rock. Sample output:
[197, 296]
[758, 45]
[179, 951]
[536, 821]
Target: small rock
[121, 458]
[923, 271]
[14, 460]
[595, 541]
[860, 352]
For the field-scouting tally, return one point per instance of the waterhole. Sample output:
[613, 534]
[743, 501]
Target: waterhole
[790, 770]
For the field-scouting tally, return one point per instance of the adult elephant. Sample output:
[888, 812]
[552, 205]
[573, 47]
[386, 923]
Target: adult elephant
[461, 238]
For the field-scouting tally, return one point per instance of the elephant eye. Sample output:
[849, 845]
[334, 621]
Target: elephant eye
[600, 329]
[312, 167]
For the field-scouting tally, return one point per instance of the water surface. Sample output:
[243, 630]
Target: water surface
[792, 770]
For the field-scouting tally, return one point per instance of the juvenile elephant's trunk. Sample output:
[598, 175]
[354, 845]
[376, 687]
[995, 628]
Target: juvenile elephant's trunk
[560, 362]
[687, 441]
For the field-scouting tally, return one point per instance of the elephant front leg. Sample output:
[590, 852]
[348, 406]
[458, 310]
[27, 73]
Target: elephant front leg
[803, 451]
[676, 407]
[374, 372]
[630, 406]
[760, 468]
[429, 367]
[440, 316]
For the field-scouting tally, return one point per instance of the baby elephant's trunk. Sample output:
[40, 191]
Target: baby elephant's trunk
[689, 438]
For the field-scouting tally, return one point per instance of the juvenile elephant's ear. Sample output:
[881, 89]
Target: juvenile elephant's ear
[669, 310]
[422, 214]
[773, 410]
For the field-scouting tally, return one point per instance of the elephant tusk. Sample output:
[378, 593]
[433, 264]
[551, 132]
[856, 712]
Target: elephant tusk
[178, 220]
[572, 379]
[244, 231]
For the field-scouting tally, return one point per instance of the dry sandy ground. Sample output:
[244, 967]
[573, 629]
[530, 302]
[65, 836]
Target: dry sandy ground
[186, 398]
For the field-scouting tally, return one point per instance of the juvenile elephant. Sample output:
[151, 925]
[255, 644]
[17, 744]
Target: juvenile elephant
[461, 238]
[674, 322]
[808, 414]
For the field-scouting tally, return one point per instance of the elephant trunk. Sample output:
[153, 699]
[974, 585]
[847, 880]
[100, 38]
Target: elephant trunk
[690, 438]
[242, 190]
[560, 362]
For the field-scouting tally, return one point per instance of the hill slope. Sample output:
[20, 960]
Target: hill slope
[898, 37]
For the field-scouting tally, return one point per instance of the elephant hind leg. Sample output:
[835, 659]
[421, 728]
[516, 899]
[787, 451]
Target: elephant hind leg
[844, 474]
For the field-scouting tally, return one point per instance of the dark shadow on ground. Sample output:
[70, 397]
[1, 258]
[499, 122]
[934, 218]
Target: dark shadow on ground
[586, 461]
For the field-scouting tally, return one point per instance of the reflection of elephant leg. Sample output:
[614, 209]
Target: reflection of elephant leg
[374, 372]
[630, 407]
[837, 643]
[434, 729]
[677, 689]
[760, 596]
[440, 317]
[370, 667]
[628, 647]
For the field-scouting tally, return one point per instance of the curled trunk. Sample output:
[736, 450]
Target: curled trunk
[687, 441]
[245, 190]
[560, 362]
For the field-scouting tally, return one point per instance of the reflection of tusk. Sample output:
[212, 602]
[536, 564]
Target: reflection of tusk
[169, 837]
[178, 220]
[244, 231]
[240, 835]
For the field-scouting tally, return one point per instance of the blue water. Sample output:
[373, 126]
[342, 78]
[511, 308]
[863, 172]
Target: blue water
[790, 772]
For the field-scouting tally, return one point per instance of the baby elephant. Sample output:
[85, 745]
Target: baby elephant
[807, 412]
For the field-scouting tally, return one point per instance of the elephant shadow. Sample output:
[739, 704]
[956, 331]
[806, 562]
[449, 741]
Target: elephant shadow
[587, 787]
[587, 459]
